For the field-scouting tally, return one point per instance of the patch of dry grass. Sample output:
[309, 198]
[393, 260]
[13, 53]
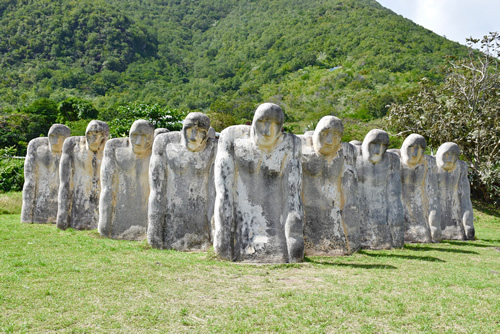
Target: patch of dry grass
[10, 203]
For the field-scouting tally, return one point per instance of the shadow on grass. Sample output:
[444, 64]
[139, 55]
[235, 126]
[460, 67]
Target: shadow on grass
[351, 265]
[428, 249]
[490, 240]
[407, 257]
[471, 243]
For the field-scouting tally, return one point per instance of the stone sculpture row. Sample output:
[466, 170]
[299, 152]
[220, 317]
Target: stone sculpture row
[256, 194]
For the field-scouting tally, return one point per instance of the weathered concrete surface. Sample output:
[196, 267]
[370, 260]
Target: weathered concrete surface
[182, 197]
[159, 131]
[352, 206]
[41, 176]
[420, 195]
[457, 221]
[325, 161]
[123, 204]
[258, 178]
[79, 174]
[379, 179]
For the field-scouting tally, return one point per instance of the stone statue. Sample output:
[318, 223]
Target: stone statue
[159, 131]
[79, 175]
[453, 183]
[41, 176]
[356, 142]
[396, 151]
[181, 202]
[258, 178]
[420, 195]
[328, 196]
[379, 180]
[123, 204]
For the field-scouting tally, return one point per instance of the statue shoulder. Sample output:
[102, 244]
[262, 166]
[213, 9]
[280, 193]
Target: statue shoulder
[464, 167]
[72, 143]
[38, 142]
[162, 140]
[229, 134]
[115, 143]
[393, 159]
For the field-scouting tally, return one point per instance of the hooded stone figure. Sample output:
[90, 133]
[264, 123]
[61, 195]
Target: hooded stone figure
[420, 195]
[457, 221]
[258, 178]
[181, 202]
[41, 176]
[329, 191]
[79, 173]
[123, 203]
[379, 180]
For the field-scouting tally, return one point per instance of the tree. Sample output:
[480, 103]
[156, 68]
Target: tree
[465, 110]
[74, 109]
[160, 117]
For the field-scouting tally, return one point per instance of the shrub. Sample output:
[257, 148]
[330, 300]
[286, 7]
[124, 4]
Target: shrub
[11, 171]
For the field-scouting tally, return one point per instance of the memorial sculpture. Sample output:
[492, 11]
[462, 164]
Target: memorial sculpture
[454, 189]
[123, 202]
[329, 191]
[258, 214]
[181, 202]
[420, 195]
[159, 131]
[41, 176]
[79, 175]
[379, 180]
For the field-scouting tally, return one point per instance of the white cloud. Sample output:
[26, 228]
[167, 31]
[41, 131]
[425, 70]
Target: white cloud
[455, 19]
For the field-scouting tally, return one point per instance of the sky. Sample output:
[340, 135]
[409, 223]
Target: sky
[455, 19]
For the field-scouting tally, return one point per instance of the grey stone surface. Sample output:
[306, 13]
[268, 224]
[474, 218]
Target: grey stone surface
[420, 195]
[457, 221]
[396, 151]
[258, 178]
[159, 131]
[212, 133]
[123, 203]
[356, 142]
[352, 206]
[79, 175]
[182, 194]
[329, 191]
[41, 176]
[379, 179]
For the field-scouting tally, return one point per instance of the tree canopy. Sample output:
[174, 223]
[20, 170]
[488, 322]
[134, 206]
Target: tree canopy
[346, 57]
[465, 109]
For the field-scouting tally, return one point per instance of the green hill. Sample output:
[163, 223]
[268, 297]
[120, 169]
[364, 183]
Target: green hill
[346, 57]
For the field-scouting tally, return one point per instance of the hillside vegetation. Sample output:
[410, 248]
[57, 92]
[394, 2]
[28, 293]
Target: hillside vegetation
[347, 57]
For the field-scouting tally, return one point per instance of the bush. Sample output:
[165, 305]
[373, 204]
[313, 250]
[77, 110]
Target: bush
[11, 171]
[160, 117]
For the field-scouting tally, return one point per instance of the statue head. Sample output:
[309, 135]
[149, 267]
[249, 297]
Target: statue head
[57, 134]
[412, 150]
[374, 145]
[96, 134]
[327, 135]
[447, 156]
[195, 131]
[266, 125]
[141, 136]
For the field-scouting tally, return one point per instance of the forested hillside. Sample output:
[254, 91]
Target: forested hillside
[346, 57]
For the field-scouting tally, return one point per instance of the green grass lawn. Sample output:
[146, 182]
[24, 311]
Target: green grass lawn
[76, 281]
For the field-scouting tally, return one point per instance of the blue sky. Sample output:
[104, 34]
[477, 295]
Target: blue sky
[455, 19]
